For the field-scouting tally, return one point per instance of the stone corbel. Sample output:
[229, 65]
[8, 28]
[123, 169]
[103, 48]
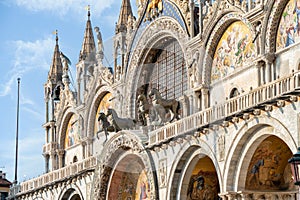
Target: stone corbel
[293, 98]
[256, 112]
[268, 108]
[235, 120]
[280, 103]
[246, 116]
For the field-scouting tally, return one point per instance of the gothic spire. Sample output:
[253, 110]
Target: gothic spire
[88, 45]
[56, 68]
[123, 17]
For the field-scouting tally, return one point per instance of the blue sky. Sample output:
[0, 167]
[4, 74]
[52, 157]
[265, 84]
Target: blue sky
[26, 49]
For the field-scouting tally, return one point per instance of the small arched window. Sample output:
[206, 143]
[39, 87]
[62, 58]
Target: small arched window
[75, 159]
[234, 93]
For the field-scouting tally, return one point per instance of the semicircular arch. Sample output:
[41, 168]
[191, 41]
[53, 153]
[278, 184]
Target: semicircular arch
[270, 35]
[158, 30]
[70, 190]
[214, 40]
[245, 143]
[122, 143]
[184, 158]
[64, 126]
[101, 92]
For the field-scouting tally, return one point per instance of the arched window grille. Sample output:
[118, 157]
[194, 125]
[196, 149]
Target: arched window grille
[169, 74]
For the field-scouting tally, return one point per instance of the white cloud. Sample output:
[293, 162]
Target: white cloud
[62, 7]
[28, 57]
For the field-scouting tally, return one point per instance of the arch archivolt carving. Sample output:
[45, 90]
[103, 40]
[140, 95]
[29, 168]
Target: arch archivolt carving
[247, 139]
[121, 143]
[188, 152]
[212, 43]
[163, 27]
[272, 25]
[71, 186]
[93, 108]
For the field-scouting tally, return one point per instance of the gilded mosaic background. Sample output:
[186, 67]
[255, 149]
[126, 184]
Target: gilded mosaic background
[103, 106]
[203, 184]
[234, 49]
[72, 133]
[269, 169]
[289, 27]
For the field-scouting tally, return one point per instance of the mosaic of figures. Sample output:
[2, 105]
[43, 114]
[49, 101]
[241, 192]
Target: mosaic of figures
[72, 133]
[289, 26]
[234, 49]
[203, 184]
[143, 187]
[269, 169]
[132, 186]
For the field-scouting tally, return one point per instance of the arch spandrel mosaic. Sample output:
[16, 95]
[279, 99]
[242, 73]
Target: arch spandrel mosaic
[269, 168]
[72, 133]
[234, 50]
[105, 103]
[288, 32]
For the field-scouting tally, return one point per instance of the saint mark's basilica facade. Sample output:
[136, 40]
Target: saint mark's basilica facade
[202, 103]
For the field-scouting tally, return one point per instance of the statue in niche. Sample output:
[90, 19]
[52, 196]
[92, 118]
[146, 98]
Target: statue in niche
[140, 5]
[193, 70]
[221, 147]
[163, 173]
[130, 23]
[118, 73]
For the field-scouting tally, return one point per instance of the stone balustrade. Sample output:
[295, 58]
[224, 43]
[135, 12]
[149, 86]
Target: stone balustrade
[49, 147]
[257, 98]
[58, 175]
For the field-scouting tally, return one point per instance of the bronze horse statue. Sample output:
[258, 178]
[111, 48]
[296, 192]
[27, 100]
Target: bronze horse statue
[143, 108]
[120, 123]
[169, 104]
[106, 126]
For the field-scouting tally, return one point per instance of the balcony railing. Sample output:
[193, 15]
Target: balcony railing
[49, 146]
[256, 97]
[58, 175]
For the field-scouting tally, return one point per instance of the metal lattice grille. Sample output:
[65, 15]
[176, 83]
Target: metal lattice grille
[169, 74]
